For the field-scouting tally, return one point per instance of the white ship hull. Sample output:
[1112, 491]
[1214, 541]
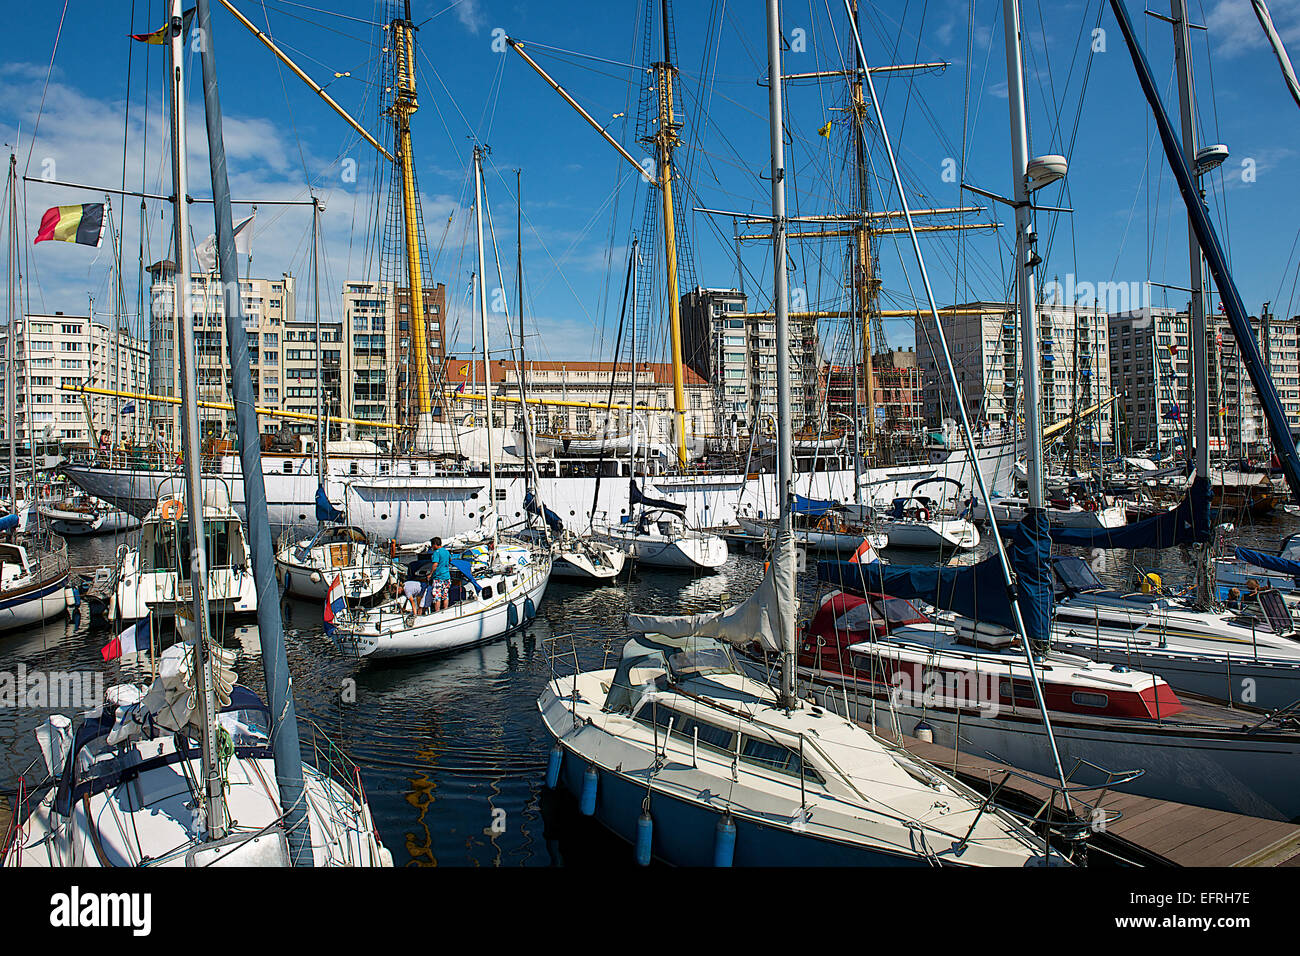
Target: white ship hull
[408, 501]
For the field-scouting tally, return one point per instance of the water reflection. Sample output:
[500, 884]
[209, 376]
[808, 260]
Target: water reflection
[452, 750]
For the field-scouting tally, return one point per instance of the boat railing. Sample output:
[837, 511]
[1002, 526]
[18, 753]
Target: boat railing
[52, 555]
[338, 766]
[141, 459]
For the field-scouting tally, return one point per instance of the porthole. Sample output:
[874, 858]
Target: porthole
[421, 517]
[383, 517]
[302, 517]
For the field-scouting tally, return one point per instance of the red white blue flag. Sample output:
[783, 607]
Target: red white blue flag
[333, 603]
[131, 641]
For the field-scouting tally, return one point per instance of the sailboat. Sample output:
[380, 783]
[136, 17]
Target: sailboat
[306, 563]
[575, 555]
[500, 585]
[155, 576]
[677, 750]
[195, 770]
[1195, 644]
[964, 677]
[33, 560]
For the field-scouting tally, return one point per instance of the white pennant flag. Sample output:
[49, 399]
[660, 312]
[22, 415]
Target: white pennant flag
[205, 253]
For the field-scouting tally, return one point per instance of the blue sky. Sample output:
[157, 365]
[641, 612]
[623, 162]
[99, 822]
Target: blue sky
[581, 200]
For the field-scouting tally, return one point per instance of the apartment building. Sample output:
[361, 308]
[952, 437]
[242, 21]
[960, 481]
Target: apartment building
[1150, 361]
[1244, 429]
[376, 353]
[583, 382]
[984, 339]
[269, 304]
[735, 352]
[54, 350]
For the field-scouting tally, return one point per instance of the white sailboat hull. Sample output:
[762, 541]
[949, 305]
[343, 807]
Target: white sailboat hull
[931, 535]
[387, 632]
[1221, 771]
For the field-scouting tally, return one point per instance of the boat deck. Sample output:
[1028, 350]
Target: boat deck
[1176, 833]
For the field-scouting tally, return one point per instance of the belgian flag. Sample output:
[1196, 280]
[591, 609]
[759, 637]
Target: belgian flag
[82, 224]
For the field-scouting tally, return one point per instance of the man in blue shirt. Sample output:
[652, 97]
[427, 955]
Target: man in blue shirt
[441, 583]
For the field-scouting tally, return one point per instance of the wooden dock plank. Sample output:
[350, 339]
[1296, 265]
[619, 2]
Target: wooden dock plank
[1185, 835]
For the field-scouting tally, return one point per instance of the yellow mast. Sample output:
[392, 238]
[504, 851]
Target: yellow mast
[404, 104]
[863, 273]
[666, 139]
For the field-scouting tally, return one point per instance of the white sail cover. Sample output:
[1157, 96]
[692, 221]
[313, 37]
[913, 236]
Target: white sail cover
[758, 618]
[1275, 41]
[171, 704]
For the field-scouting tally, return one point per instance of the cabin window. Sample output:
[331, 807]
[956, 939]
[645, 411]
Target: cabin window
[352, 468]
[774, 756]
[288, 468]
[1085, 699]
[860, 617]
[501, 494]
[710, 735]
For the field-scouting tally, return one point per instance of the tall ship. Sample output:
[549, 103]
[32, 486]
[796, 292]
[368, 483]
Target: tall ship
[429, 475]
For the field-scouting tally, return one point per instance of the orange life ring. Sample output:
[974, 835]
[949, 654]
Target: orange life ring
[171, 508]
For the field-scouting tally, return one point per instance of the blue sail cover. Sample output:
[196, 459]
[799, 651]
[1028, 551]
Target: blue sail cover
[975, 591]
[1271, 562]
[814, 507]
[533, 508]
[324, 510]
[8, 522]
[1189, 523]
[638, 498]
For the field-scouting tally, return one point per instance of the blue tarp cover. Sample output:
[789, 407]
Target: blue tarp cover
[532, 507]
[975, 591]
[815, 507]
[1272, 562]
[8, 522]
[324, 510]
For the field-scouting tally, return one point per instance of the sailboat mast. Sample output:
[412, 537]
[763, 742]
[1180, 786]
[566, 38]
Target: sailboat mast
[487, 356]
[198, 559]
[402, 37]
[322, 424]
[787, 602]
[666, 139]
[1200, 359]
[864, 265]
[1026, 258]
[11, 345]
[523, 358]
[285, 747]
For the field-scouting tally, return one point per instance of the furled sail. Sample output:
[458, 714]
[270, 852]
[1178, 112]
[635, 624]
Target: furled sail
[639, 497]
[1275, 41]
[534, 507]
[325, 511]
[814, 507]
[757, 618]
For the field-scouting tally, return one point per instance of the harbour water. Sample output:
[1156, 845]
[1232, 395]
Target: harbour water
[451, 750]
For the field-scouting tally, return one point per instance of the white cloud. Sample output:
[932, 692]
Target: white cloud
[470, 15]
